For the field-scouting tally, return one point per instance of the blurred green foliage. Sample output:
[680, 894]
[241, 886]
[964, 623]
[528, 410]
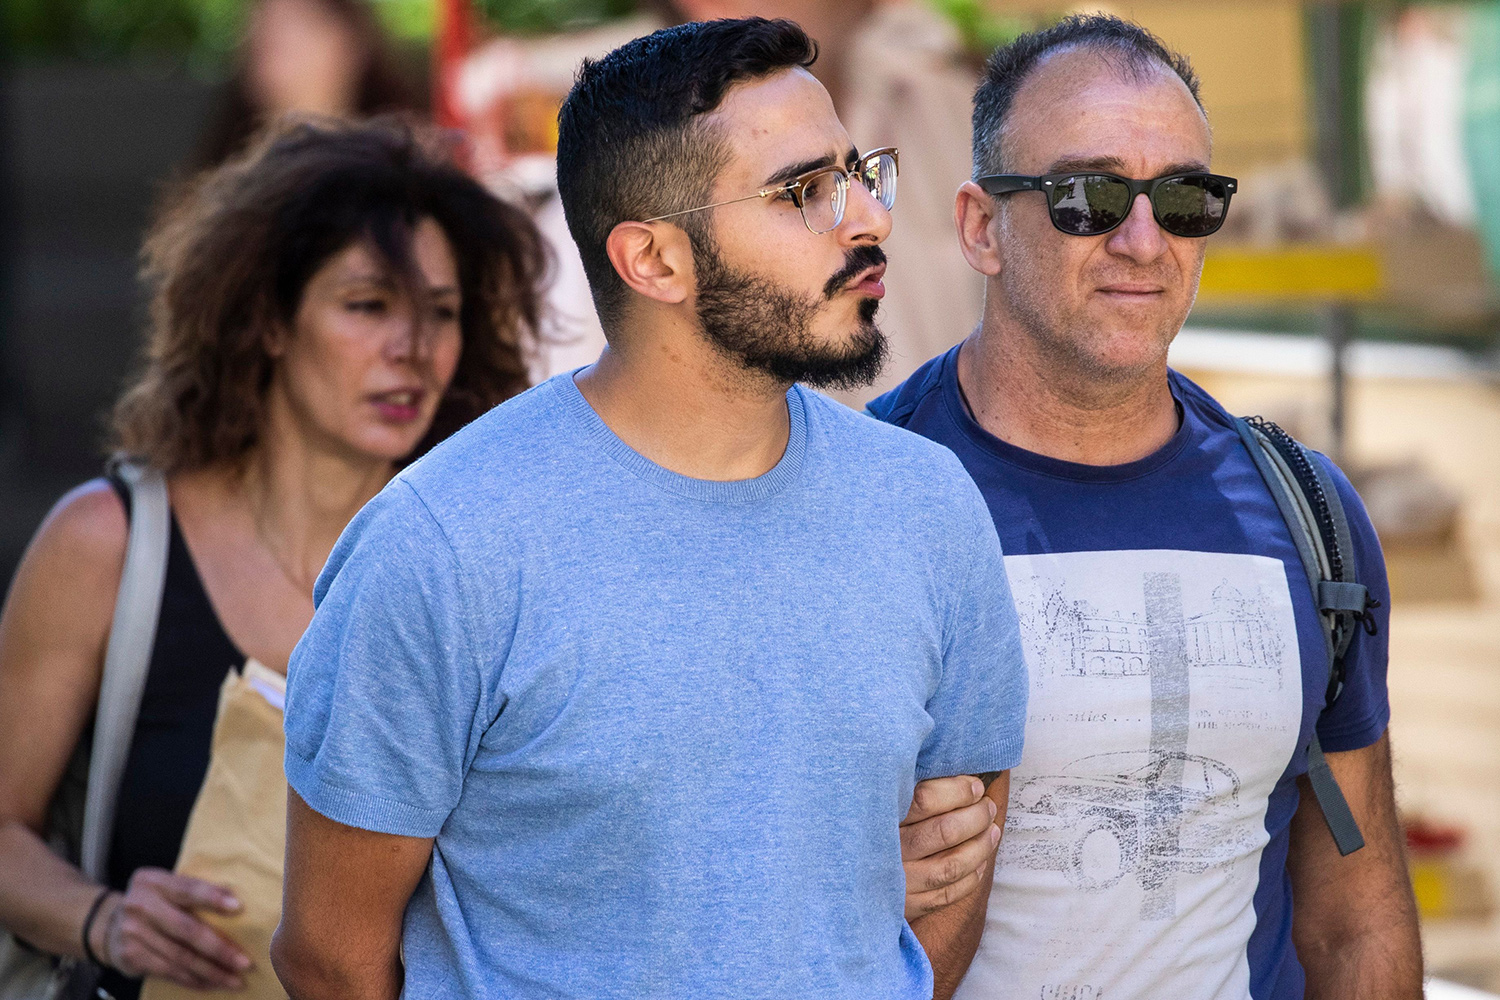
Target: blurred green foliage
[416, 20]
[203, 33]
[981, 29]
[408, 20]
[546, 16]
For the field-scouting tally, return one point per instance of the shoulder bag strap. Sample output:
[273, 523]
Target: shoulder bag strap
[132, 634]
[1301, 522]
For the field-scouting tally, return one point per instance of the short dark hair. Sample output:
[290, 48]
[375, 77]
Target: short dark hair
[1129, 48]
[631, 141]
[230, 257]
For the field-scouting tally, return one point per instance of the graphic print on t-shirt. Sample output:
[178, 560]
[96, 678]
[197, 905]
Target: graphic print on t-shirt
[1165, 703]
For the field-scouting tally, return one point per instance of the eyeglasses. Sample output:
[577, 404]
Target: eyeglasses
[1190, 204]
[822, 194]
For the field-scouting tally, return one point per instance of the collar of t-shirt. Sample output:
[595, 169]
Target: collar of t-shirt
[957, 404]
[763, 487]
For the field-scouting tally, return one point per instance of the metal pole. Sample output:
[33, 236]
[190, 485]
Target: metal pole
[1339, 321]
[1338, 327]
[1325, 54]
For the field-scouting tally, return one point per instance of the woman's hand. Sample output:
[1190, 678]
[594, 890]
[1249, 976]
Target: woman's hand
[152, 931]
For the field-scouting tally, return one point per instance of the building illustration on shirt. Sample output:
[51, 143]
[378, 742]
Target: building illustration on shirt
[1235, 638]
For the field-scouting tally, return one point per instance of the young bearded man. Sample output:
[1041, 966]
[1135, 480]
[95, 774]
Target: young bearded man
[1162, 839]
[623, 690]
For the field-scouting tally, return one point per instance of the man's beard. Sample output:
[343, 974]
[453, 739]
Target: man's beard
[768, 329]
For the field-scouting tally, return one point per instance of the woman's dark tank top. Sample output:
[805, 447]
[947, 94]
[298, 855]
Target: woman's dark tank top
[169, 754]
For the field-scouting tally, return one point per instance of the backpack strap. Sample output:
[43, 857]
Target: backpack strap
[1343, 600]
[1309, 503]
[132, 634]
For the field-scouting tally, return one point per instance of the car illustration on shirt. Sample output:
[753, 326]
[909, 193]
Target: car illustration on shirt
[1110, 815]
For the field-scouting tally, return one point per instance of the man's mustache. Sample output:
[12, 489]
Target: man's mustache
[1167, 276]
[856, 260]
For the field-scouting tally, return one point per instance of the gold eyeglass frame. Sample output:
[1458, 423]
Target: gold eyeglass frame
[799, 184]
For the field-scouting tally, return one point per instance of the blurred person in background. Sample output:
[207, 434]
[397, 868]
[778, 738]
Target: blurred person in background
[325, 309]
[898, 76]
[318, 57]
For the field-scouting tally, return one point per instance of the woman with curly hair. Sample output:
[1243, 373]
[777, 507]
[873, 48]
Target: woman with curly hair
[326, 307]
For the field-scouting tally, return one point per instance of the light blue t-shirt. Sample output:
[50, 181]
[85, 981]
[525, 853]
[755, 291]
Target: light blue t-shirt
[662, 729]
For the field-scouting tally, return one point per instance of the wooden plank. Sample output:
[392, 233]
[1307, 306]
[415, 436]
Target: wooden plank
[1301, 273]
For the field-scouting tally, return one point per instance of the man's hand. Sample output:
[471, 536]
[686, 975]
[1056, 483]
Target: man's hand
[947, 840]
[1354, 920]
[950, 932]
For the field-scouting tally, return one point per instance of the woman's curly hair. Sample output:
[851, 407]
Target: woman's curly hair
[230, 257]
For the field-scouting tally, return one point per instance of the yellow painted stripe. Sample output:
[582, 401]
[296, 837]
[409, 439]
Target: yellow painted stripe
[1311, 272]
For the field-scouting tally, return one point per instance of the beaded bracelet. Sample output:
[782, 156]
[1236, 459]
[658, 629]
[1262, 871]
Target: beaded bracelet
[88, 923]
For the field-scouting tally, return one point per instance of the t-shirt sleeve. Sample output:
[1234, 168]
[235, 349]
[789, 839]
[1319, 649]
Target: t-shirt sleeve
[979, 708]
[1360, 715]
[385, 703]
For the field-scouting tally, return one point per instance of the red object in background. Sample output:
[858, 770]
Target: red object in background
[1426, 837]
[455, 38]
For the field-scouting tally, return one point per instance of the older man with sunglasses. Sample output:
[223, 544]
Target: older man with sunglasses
[1161, 839]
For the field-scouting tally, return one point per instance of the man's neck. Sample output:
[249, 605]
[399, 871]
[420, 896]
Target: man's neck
[687, 409]
[1048, 407]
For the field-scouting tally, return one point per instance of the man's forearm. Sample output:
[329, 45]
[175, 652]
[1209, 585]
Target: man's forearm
[1381, 967]
[1354, 918]
[950, 936]
[344, 906]
[1377, 958]
[306, 975]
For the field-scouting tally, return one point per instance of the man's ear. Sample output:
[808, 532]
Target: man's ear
[974, 217]
[652, 258]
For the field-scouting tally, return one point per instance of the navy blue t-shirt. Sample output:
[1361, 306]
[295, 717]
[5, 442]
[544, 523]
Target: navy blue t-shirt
[1177, 671]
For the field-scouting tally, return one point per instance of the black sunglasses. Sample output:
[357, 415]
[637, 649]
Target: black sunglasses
[1090, 204]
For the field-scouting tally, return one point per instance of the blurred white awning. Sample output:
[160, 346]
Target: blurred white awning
[1206, 349]
[1438, 989]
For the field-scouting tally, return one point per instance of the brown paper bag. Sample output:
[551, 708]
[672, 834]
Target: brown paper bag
[236, 834]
